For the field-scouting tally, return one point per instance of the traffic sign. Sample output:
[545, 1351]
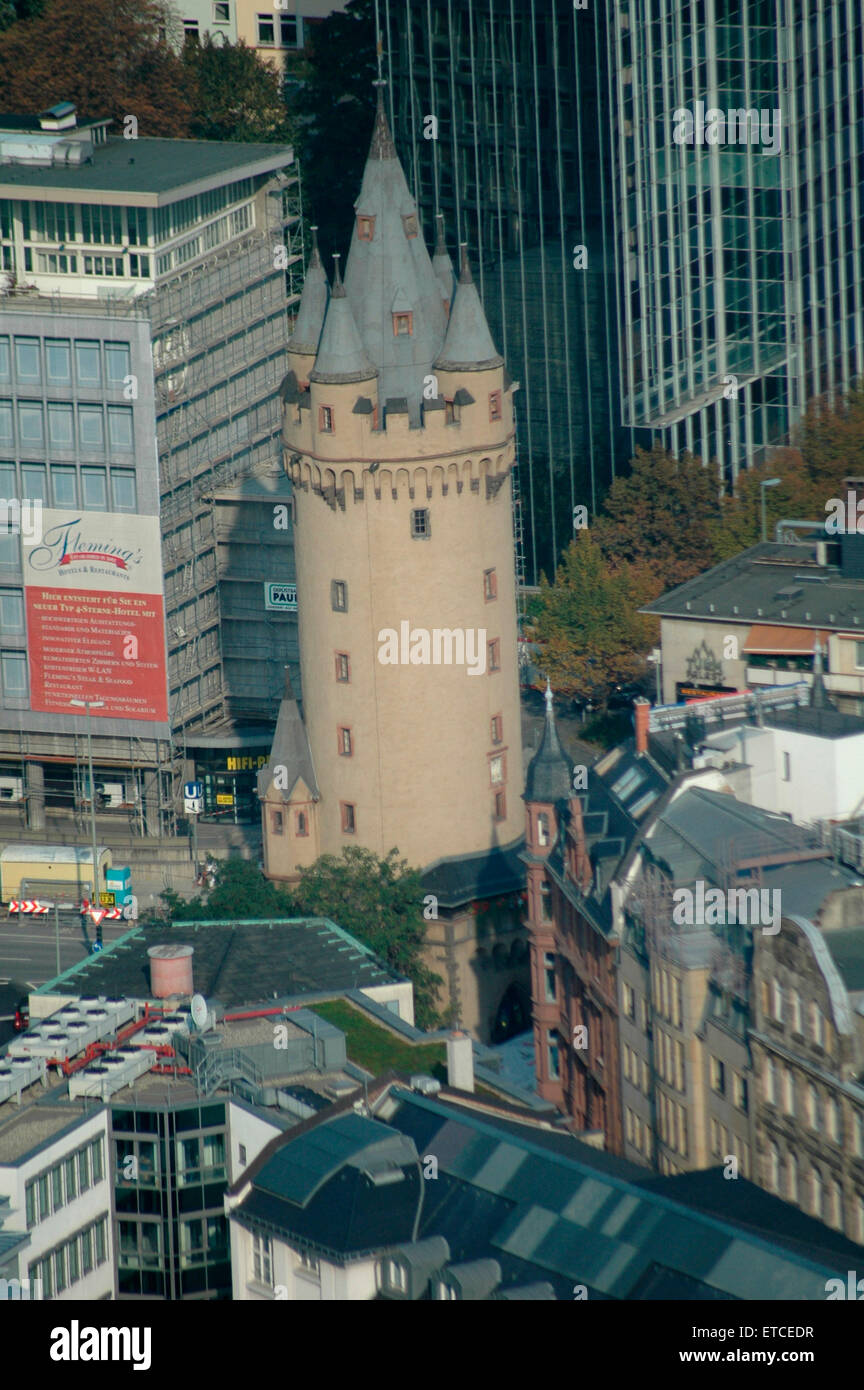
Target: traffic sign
[193, 805]
[193, 790]
[27, 905]
[107, 900]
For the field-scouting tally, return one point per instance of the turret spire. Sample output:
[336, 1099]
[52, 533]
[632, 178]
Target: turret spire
[468, 345]
[312, 307]
[550, 772]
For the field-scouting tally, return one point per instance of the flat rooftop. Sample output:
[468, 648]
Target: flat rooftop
[30, 1126]
[151, 172]
[234, 963]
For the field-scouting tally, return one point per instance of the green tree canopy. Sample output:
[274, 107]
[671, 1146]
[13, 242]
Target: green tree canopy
[241, 890]
[238, 96]
[587, 625]
[380, 902]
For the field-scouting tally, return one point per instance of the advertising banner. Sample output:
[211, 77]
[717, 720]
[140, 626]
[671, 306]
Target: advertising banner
[96, 615]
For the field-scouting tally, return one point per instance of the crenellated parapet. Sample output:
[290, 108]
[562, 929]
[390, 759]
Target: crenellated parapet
[410, 482]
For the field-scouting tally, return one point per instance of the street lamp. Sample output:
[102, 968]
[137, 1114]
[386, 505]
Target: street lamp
[88, 705]
[766, 482]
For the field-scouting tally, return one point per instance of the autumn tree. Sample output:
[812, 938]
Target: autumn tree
[238, 97]
[587, 625]
[660, 516]
[110, 57]
[830, 438]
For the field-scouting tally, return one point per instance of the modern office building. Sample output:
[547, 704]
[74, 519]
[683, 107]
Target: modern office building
[163, 272]
[500, 110]
[736, 168]
[708, 158]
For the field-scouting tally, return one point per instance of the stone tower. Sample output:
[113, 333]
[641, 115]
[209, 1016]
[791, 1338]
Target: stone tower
[399, 441]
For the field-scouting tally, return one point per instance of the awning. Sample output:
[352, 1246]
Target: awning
[764, 640]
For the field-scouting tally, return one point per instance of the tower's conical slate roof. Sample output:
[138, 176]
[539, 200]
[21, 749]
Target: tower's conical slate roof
[290, 750]
[442, 264]
[468, 346]
[341, 357]
[550, 771]
[313, 305]
[392, 273]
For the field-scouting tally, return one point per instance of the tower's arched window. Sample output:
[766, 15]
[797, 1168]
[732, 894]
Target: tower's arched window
[542, 828]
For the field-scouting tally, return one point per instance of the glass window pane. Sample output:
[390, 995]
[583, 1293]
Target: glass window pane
[9, 552]
[123, 490]
[5, 374]
[87, 364]
[60, 429]
[118, 363]
[27, 365]
[74, 1263]
[6, 435]
[71, 1185]
[84, 1159]
[34, 482]
[56, 1173]
[59, 360]
[96, 1153]
[91, 434]
[30, 423]
[64, 484]
[94, 484]
[13, 673]
[120, 427]
[87, 1251]
[11, 612]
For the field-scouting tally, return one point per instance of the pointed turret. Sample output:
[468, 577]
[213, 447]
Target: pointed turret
[393, 290]
[341, 356]
[550, 772]
[313, 306]
[290, 756]
[442, 264]
[468, 345]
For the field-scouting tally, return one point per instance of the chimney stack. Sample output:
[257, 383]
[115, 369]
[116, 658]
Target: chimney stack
[641, 716]
[460, 1062]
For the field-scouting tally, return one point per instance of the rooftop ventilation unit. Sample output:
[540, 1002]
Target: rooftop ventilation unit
[16, 1076]
[113, 1071]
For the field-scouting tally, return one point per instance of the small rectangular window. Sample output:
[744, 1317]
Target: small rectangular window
[117, 363]
[288, 30]
[339, 596]
[496, 728]
[59, 360]
[365, 228]
[490, 585]
[343, 667]
[349, 819]
[500, 806]
[13, 675]
[346, 747]
[301, 825]
[60, 427]
[325, 419]
[222, 15]
[494, 405]
[123, 490]
[94, 483]
[120, 427]
[266, 30]
[88, 366]
[495, 655]
[402, 325]
[787, 767]
[497, 769]
[91, 428]
[242, 1153]
[420, 523]
[28, 367]
[11, 612]
[276, 822]
[450, 412]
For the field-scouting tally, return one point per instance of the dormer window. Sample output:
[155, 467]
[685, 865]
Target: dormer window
[409, 222]
[365, 228]
[403, 323]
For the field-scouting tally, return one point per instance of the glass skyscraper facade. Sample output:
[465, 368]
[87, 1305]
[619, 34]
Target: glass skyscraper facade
[736, 216]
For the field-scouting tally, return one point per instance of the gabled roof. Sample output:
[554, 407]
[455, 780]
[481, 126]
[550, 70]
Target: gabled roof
[468, 345]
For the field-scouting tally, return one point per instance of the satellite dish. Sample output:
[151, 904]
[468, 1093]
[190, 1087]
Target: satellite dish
[199, 1011]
